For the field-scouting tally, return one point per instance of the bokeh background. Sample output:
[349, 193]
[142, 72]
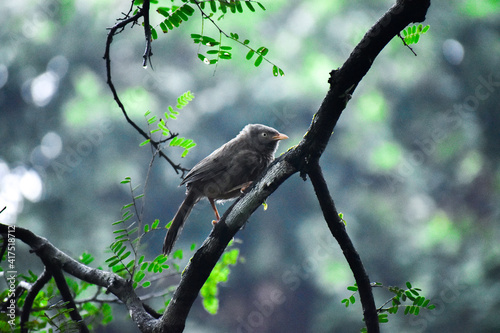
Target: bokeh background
[413, 163]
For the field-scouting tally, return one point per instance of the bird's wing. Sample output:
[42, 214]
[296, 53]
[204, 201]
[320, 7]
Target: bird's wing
[240, 166]
[208, 168]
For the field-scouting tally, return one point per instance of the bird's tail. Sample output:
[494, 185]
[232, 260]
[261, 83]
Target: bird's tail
[178, 221]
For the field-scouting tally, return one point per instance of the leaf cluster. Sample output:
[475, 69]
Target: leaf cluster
[220, 273]
[212, 11]
[162, 128]
[411, 35]
[408, 297]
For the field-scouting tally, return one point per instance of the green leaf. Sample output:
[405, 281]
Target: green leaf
[239, 8]
[169, 24]
[152, 120]
[202, 57]
[352, 299]
[346, 301]
[275, 70]
[213, 6]
[155, 224]
[250, 6]
[262, 51]
[382, 318]
[143, 143]
[139, 275]
[146, 284]
[258, 61]
[187, 9]
[408, 285]
[250, 54]
[211, 304]
[125, 255]
[113, 263]
[164, 11]
[261, 6]
[154, 34]
[163, 27]
[177, 254]
[182, 15]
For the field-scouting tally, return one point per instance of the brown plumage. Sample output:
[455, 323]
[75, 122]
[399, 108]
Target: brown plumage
[225, 173]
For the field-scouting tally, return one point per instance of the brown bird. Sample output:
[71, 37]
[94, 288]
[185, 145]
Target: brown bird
[226, 173]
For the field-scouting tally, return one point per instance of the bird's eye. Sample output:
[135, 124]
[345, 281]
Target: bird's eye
[264, 134]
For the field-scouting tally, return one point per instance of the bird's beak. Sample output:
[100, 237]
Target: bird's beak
[280, 137]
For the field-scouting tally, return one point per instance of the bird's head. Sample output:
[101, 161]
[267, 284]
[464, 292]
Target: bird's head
[262, 138]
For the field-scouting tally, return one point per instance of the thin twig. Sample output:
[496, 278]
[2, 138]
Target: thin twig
[408, 46]
[107, 57]
[147, 33]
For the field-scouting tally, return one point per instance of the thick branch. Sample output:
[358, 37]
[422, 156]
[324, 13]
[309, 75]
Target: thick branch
[337, 228]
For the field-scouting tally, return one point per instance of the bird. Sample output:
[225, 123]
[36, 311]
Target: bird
[225, 173]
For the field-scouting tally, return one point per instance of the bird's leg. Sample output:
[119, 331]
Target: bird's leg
[245, 186]
[217, 216]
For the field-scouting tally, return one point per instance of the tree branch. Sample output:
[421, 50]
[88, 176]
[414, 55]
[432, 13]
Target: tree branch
[30, 298]
[147, 33]
[337, 228]
[144, 12]
[55, 270]
[115, 284]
